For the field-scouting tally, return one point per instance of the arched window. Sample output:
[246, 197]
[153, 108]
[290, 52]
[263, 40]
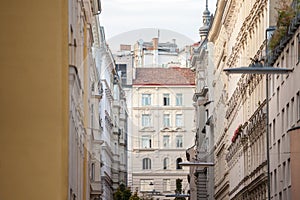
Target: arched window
[146, 163]
[178, 160]
[166, 163]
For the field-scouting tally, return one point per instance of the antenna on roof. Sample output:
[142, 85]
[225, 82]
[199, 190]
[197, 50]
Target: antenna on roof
[158, 33]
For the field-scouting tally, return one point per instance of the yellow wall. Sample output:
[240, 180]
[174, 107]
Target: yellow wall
[34, 100]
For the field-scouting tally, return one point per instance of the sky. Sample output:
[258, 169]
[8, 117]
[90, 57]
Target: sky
[182, 16]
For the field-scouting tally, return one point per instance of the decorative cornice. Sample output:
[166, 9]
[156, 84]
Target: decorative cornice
[242, 37]
[245, 86]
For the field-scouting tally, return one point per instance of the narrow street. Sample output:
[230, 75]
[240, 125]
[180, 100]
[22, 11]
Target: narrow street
[150, 100]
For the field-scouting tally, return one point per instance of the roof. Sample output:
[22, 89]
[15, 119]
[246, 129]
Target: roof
[164, 76]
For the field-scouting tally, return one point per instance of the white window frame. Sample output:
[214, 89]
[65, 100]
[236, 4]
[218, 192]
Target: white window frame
[146, 163]
[179, 98]
[146, 120]
[146, 142]
[146, 99]
[166, 185]
[166, 141]
[166, 163]
[166, 99]
[179, 141]
[179, 120]
[167, 121]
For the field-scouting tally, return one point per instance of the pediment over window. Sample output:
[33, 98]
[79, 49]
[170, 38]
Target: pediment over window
[166, 129]
[179, 129]
[147, 129]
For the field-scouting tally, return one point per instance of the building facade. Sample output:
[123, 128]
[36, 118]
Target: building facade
[239, 112]
[162, 116]
[34, 101]
[85, 95]
[284, 115]
[201, 178]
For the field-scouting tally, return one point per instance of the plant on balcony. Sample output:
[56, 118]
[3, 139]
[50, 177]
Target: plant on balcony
[236, 133]
[285, 14]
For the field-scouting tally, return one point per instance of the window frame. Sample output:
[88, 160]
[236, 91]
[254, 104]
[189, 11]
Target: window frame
[179, 138]
[166, 120]
[166, 163]
[166, 99]
[146, 164]
[146, 99]
[179, 99]
[166, 141]
[146, 120]
[146, 142]
[179, 121]
[178, 160]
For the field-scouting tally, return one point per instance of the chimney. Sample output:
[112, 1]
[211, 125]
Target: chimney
[155, 52]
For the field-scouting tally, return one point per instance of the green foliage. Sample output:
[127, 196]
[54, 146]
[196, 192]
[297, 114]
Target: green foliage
[285, 14]
[122, 193]
[179, 189]
[135, 196]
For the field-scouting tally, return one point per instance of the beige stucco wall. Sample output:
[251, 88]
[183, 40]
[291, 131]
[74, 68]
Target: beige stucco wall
[295, 162]
[34, 100]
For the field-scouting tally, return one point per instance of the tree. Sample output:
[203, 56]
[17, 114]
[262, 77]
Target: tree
[179, 189]
[122, 193]
[135, 196]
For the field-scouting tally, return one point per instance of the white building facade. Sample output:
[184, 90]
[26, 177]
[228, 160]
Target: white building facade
[162, 117]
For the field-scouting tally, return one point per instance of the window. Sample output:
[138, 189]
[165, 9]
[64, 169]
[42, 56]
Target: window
[298, 48]
[298, 106]
[282, 121]
[166, 185]
[179, 99]
[166, 100]
[178, 160]
[92, 116]
[146, 185]
[179, 141]
[288, 116]
[146, 99]
[166, 120]
[93, 171]
[146, 120]
[288, 174]
[283, 174]
[166, 163]
[292, 54]
[166, 141]
[274, 130]
[292, 111]
[146, 163]
[278, 151]
[277, 100]
[179, 120]
[146, 141]
[275, 181]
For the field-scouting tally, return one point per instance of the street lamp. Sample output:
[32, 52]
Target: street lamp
[197, 164]
[257, 67]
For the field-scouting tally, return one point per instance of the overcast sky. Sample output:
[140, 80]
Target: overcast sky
[182, 16]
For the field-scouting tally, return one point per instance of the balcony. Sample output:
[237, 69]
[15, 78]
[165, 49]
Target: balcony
[96, 188]
[287, 24]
